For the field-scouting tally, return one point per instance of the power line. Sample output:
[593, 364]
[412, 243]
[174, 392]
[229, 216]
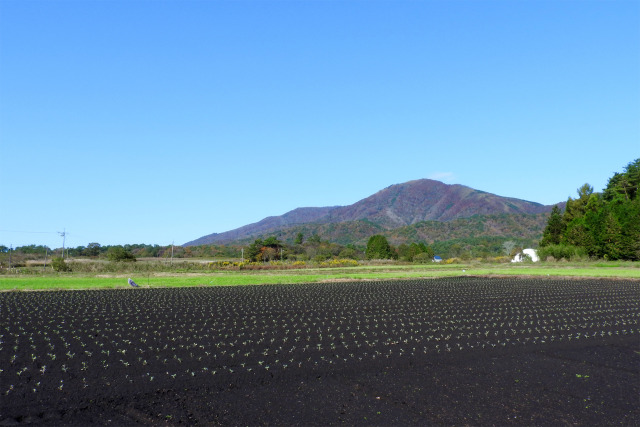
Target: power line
[30, 232]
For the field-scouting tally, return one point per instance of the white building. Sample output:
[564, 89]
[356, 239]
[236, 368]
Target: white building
[532, 253]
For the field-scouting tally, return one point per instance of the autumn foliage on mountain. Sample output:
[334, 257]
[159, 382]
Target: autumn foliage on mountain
[420, 210]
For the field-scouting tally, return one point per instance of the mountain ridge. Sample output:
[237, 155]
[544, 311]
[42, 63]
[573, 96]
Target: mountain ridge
[396, 206]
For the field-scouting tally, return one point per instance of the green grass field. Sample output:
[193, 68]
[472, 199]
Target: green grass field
[379, 272]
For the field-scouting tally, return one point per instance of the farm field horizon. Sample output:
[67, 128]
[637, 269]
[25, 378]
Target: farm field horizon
[186, 278]
[446, 351]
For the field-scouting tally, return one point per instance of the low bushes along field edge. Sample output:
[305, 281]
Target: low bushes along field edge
[71, 281]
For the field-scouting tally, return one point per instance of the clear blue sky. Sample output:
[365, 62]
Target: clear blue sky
[160, 121]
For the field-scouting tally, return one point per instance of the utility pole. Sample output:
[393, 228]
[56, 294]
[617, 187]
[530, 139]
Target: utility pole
[64, 233]
[46, 252]
[243, 255]
[10, 249]
[171, 254]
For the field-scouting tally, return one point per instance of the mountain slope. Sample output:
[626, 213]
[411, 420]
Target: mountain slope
[511, 226]
[396, 206]
[429, 200]
[296, 216]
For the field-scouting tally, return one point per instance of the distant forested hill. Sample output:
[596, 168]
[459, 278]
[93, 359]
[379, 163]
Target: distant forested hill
[424, 210]
[522, 227]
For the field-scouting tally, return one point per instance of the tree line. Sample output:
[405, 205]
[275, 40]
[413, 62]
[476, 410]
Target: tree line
[315, 249]
[600, 225]
[96, 250]
[302, 248]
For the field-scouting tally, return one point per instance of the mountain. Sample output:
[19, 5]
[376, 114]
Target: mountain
[519, 227]
[396, 206]
[428, 200]
[296, 216]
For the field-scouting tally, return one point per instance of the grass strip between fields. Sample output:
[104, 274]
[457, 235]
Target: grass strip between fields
[72, 281]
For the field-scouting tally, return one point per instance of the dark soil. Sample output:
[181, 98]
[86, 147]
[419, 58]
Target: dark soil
[589, 374]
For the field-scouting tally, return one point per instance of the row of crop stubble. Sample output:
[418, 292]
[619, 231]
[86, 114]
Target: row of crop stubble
[94, 342]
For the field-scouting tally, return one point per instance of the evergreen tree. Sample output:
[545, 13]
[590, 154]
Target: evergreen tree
[603, 225]
[576, 207]
[378, 248]
[627, 214]
[611, 234]
[626, 185]
[253, 252]
[554, 230]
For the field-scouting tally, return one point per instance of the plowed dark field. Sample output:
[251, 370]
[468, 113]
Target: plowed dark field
[463, 351]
